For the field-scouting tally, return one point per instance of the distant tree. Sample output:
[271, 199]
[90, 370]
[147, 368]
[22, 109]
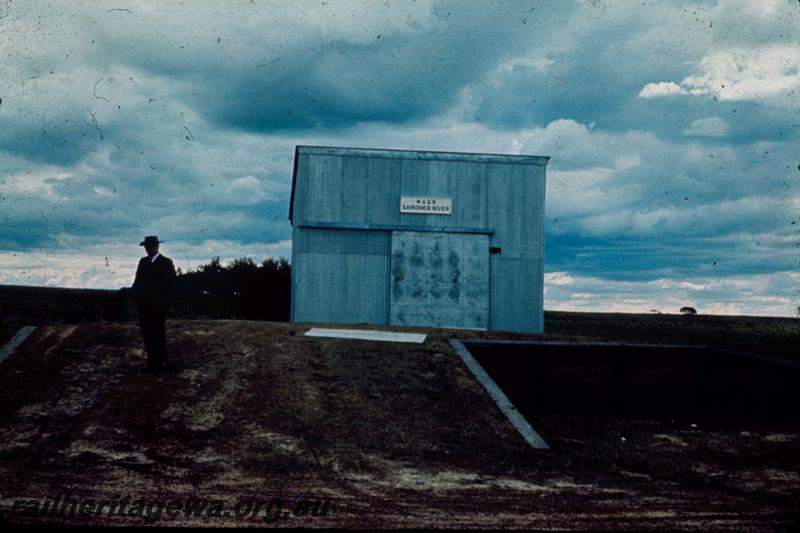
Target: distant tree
[686, 310]
[213, 267]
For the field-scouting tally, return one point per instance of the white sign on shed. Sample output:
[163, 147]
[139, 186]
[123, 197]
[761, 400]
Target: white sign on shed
[426, 205]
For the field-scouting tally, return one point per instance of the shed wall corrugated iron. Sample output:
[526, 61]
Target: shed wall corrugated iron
[340, 276]
[516, 210]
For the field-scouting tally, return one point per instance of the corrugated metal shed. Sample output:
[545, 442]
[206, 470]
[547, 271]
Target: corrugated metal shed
[359, 257]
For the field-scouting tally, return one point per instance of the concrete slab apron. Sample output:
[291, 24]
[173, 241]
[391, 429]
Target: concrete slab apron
[15, 341]
[515, 417]
[366, 334]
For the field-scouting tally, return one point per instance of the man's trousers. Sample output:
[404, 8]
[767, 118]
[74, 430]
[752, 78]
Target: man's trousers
[152, 323]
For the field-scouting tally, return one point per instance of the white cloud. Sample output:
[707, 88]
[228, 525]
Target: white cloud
[768, 74]
[536, 61]
[246, 190]
[103, 191]
[664, 88]
[111, 266]
[764, 73]
[35, 180]
[758, 294]
[707, 127]
[52, 268]
[748, 22]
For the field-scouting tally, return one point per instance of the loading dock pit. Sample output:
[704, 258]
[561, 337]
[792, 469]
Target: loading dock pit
[670, 382]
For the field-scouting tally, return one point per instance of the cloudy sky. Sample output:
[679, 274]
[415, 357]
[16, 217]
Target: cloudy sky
[673, 130]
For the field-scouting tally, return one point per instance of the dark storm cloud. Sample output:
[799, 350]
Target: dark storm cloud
[367, 69]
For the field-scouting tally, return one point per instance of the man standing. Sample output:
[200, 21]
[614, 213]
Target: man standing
[153, 286]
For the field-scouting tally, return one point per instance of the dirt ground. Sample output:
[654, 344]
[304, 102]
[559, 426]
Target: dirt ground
[390, 434]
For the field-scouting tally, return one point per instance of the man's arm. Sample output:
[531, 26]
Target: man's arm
[171, 275]
[137, 280]
[169, 282]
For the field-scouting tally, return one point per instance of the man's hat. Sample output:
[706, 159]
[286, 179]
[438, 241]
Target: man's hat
[150, 239]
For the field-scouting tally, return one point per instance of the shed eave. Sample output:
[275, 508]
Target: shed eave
[422, 154]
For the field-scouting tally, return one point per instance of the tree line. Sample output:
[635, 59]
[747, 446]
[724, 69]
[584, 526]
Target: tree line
[242, 289]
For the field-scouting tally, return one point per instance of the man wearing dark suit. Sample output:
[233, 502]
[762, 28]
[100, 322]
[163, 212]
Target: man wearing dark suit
[153, 287]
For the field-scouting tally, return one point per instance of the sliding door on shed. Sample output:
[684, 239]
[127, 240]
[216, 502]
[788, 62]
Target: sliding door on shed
[439, 279]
